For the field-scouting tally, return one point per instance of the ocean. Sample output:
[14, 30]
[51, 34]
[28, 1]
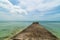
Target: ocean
[8, 28]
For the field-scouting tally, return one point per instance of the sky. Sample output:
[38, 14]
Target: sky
[29, 10]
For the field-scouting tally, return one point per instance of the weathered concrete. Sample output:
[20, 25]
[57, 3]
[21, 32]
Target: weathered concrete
[34, 32]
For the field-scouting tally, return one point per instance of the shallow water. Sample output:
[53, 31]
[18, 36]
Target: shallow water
[53, 27]
[6, 28]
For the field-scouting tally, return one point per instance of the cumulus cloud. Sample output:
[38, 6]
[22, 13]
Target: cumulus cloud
[29, 9]
[12, 9]
[8, 11]
[41, 5]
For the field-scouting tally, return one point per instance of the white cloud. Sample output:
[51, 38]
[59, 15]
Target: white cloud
[17, 12]
[12, 8]
[4, 16]
[41, 5]
[51, 17]
[55, 15]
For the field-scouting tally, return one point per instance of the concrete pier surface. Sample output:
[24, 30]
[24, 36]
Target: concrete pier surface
[35, 31]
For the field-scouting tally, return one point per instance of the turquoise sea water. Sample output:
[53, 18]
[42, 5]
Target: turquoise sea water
[53, 27]
[8, 28]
